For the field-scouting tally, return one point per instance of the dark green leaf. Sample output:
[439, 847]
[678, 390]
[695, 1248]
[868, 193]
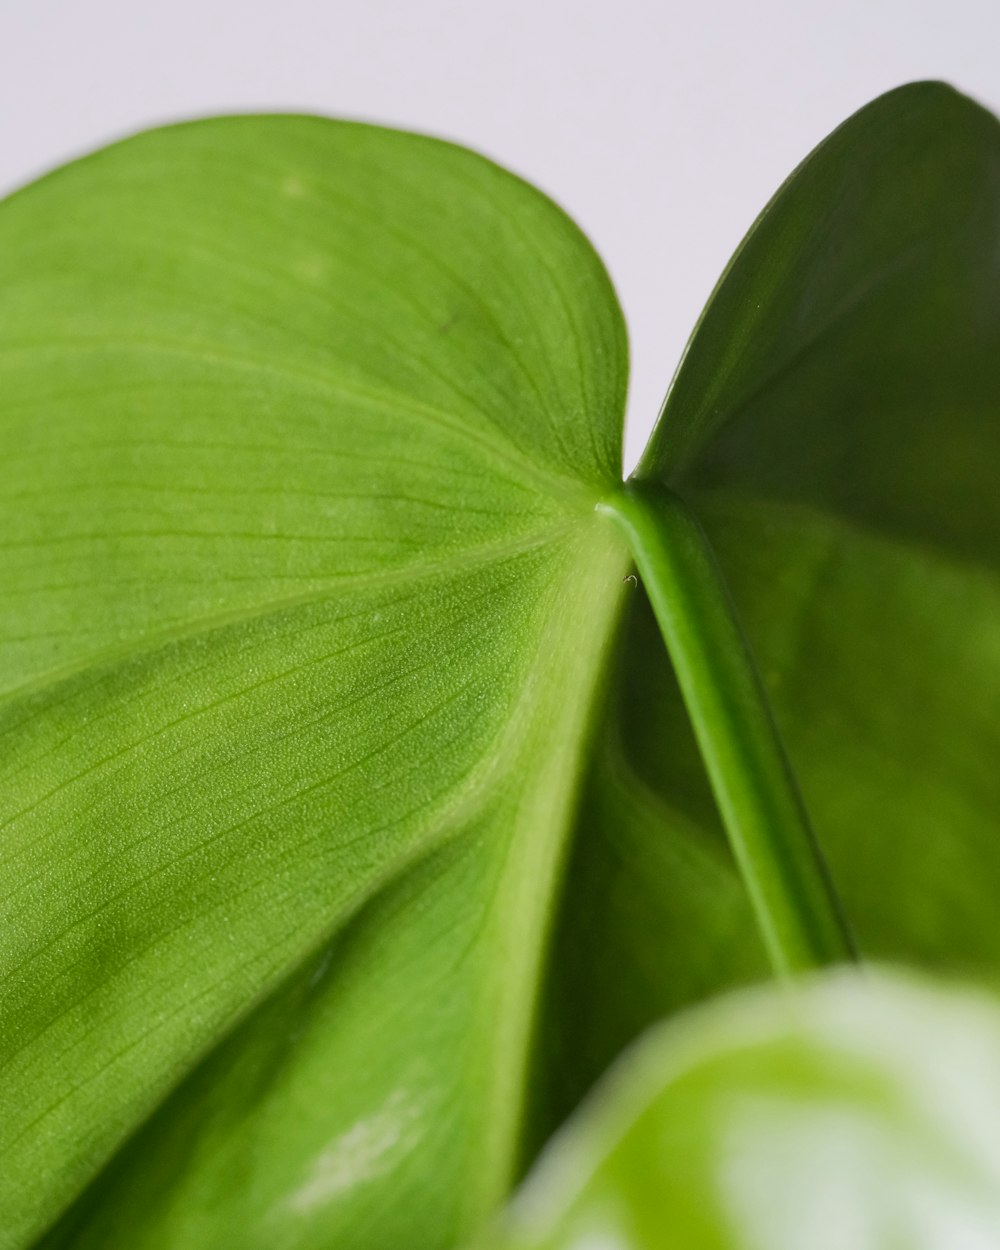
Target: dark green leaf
[836, 425]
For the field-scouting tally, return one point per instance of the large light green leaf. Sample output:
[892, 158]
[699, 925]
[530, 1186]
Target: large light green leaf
[860, 1111]
[304, 606]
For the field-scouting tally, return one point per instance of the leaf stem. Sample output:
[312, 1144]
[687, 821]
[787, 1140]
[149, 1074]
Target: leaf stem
[769, 831]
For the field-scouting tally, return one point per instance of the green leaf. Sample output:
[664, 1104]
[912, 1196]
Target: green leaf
[860, 1110]
[305, 605]
[345, 838]
[836, 427]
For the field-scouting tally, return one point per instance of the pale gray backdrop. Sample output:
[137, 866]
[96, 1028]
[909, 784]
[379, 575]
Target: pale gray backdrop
[663, 128]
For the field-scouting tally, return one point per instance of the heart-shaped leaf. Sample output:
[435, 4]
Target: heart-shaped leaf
[305, 602]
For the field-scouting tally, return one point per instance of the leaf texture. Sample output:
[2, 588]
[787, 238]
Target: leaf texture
[304, 593]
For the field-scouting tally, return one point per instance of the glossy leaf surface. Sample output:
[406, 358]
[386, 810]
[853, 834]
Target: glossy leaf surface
[858, 1111]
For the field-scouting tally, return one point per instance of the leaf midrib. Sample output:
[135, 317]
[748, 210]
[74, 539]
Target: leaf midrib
[544, 846]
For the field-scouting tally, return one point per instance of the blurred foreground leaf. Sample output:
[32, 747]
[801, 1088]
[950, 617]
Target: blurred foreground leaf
[858, 1110]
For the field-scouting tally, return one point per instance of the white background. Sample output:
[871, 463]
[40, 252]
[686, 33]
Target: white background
[663, 128]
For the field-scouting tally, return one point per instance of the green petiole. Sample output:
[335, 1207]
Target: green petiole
[769, 831]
